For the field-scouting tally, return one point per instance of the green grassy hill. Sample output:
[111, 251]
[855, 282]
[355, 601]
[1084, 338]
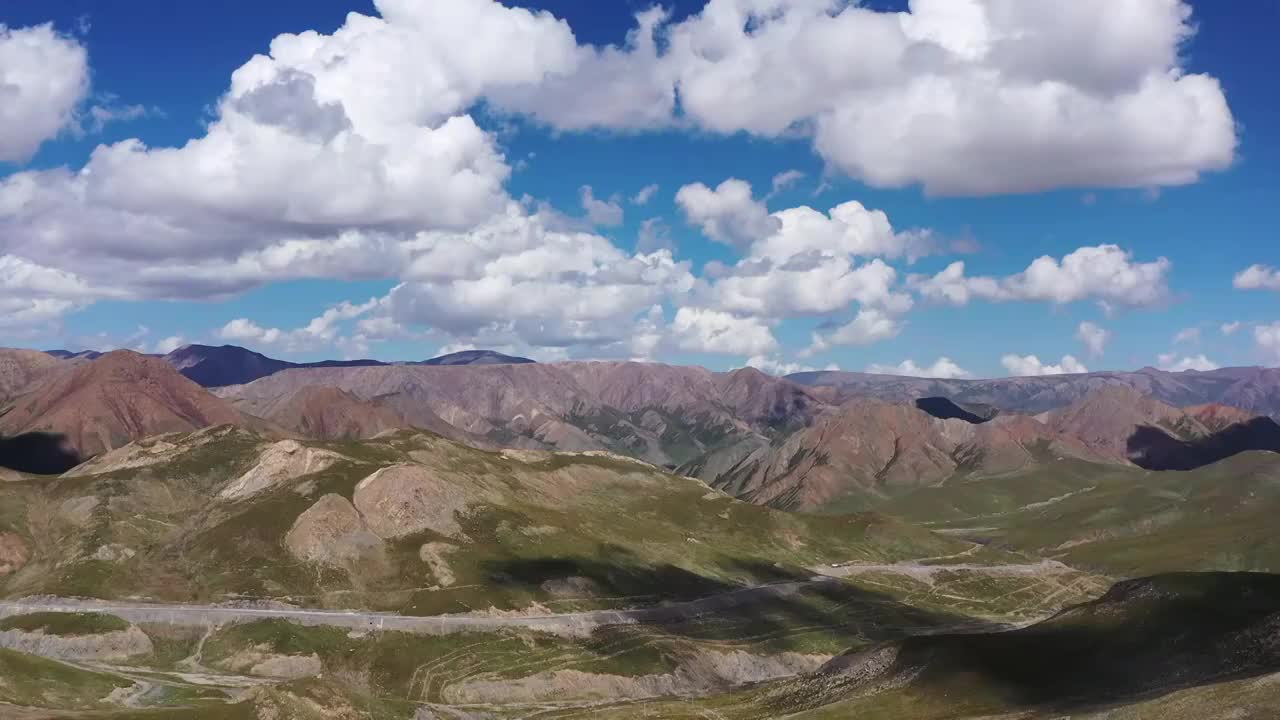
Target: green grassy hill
[567, 531]
[1125, 522]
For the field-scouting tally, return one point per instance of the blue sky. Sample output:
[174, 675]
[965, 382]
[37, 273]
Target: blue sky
[1133, 151]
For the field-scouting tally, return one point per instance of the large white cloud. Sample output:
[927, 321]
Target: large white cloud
[1104, 273]
[943, 368]
[363, 133]
[545, 286]
[1030, 365]
[962, 96]
[44, 76]
[869, 326]
[703, 330]
[354, 155]
[1173, 362]
[322, 331]
[808, 284]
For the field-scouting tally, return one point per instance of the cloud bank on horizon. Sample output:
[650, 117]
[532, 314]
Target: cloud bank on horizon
[366, 154]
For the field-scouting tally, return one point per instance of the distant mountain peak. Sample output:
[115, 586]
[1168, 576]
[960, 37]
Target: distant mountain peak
[475, 357]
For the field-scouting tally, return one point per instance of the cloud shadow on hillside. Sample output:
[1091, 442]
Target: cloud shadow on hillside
[1151, 448]
[38, 453]
[691, 606]
[1147, 637]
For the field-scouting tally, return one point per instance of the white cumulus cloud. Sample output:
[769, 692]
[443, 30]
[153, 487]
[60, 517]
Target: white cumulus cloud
[44, 76]
[960, 96]
[703, 330]
[645, 194]
[1094, 337]
[1257, 277]
[1030, 365]
[1105, 273]
[1267, 338]
[1173, 362]
[604, 213]
[727, 213]
[943, 368]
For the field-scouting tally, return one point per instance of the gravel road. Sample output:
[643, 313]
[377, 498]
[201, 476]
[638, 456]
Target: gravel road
[569, 624]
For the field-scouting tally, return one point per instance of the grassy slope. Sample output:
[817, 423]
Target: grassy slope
[1173, 647]
[51, 623]
[627, 528]
[636, 535]
[1122, 521]
[37, 682]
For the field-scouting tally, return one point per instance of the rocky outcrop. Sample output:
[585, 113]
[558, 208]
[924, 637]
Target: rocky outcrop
[22, 370]
[703, 673]
[331, 532]
[14, 553]
[278, 464]
[108, 647]
[259, 661]
[404, 500]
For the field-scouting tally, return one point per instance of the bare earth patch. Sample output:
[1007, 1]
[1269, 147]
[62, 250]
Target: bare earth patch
[404, 500]
[278, 464]
[112, 646]
[14, 553]
[331, 532]
[433, 554]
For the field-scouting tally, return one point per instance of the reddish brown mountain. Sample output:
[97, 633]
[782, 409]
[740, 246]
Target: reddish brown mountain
[1218, 417]
[1107, 419]
[329, 413]
[120, 397]
[22, 370]
[867, 449]
[663, 414]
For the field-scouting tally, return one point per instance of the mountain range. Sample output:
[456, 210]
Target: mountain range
[1256, 389]
[808, 441]
[233, 365]
[809, 550]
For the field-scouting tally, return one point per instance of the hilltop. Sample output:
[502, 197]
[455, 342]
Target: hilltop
[108, 402]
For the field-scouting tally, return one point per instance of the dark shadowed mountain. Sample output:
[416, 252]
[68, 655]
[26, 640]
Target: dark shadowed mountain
[946, 409]
[233, 365]
[226, 365]
[69, 355]
[474, 357]
[1255, 389]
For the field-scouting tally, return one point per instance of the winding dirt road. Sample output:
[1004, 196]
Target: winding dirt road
[570, 624]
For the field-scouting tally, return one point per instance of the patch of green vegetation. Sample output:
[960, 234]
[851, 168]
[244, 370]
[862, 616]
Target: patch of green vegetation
[30, 681]
[1120, 521]
[68, 623]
